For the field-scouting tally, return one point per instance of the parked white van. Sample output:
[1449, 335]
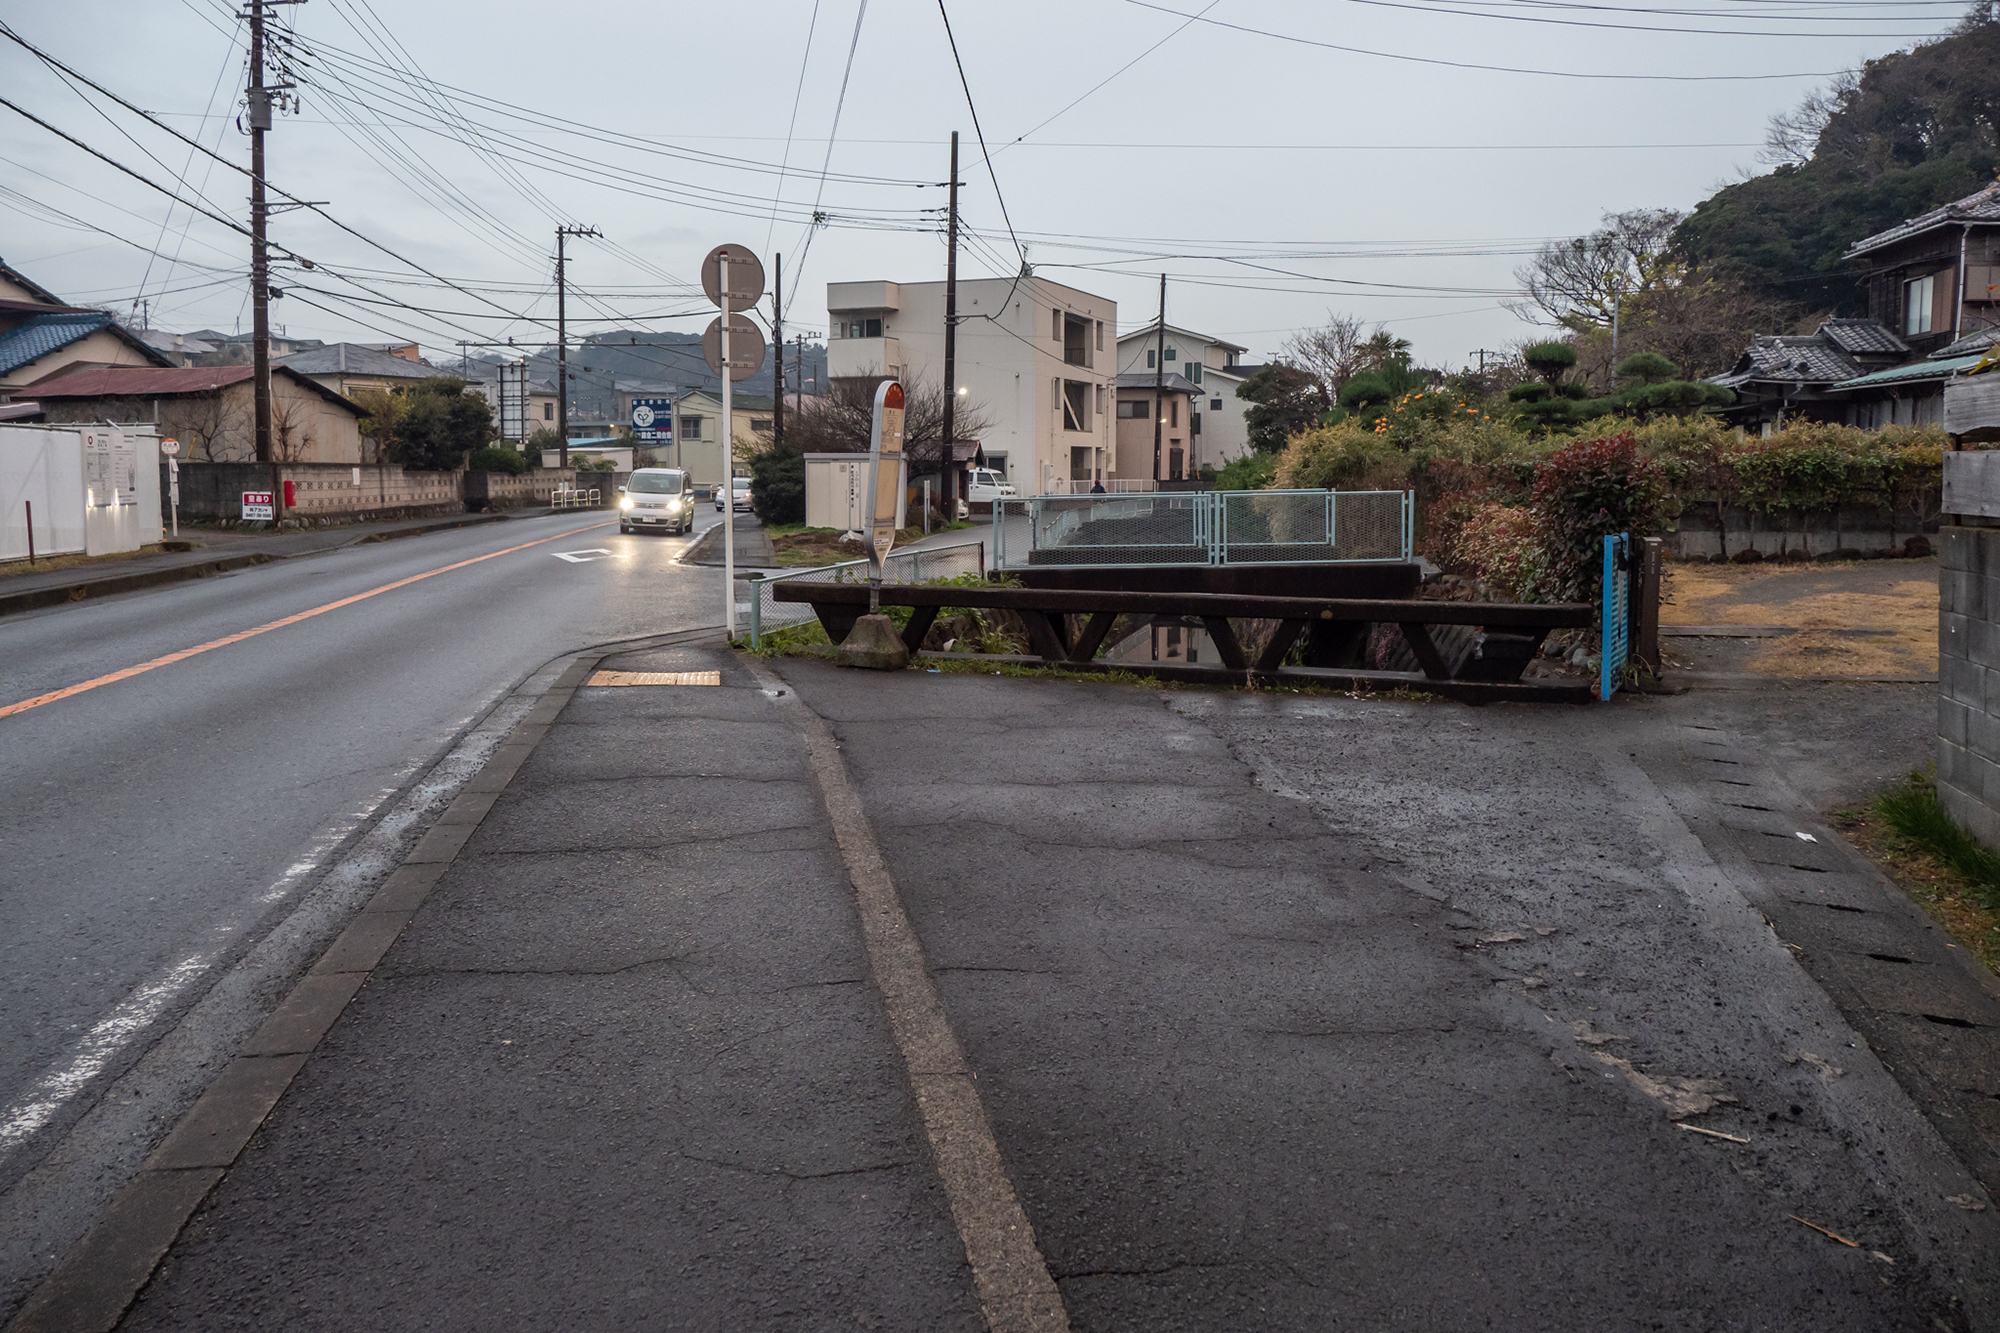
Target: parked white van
[656, 498]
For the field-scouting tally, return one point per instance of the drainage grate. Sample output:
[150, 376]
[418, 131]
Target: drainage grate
[655, 678]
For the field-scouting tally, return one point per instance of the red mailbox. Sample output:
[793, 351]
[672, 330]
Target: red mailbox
[291, 494]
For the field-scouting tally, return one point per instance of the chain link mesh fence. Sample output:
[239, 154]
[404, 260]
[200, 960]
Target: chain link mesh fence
[1203, 528]
[917, 564]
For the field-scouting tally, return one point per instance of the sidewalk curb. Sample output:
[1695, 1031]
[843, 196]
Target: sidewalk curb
[111, 585]
[84, 589]
[94, 1285]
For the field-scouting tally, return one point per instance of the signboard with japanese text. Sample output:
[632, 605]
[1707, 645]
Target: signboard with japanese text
[258, 506]
[653, 420]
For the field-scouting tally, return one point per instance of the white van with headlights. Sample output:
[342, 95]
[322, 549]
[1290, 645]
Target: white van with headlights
[656, 498]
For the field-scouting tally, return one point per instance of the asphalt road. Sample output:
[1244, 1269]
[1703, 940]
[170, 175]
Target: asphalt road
[1285, 1012]
[162, 829]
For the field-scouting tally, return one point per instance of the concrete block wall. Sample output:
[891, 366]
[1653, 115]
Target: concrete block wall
[1968, 763]
[1866, 528]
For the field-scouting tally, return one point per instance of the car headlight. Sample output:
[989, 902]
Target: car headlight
[625, 502]
[673, 506]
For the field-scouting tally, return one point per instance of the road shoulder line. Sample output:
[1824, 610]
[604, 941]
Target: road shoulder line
[1016, 1290]
[93, 1286]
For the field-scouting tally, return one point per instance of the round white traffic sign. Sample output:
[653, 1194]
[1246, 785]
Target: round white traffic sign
[746, 276]
[168, 448]
[746, 347]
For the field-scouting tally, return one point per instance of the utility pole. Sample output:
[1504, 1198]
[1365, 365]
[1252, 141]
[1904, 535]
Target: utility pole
[1160, 377]
[946, 492]
[562, 339]
[778, 346]
[258, 100]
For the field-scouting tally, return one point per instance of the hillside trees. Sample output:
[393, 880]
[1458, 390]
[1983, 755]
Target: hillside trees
[1912, 131]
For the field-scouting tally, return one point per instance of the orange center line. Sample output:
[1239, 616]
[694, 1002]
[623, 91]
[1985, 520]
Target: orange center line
[184, 654]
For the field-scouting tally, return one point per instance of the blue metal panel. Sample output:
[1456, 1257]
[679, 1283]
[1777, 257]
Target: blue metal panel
[1616, 611]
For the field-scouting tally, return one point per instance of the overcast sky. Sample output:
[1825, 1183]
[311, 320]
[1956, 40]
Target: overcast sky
[1272, 177]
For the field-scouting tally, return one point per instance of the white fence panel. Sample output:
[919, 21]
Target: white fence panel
[41, 468]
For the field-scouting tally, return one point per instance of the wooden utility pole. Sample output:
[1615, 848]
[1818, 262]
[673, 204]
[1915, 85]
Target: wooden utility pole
[778, 347]
[562, 338]
[258, 98]
[946, 492]
[1160, 378]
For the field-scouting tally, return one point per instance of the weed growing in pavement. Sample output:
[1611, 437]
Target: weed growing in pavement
[1907, 832]
[1915, 812]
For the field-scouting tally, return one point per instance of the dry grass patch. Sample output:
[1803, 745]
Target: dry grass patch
[1899, 598]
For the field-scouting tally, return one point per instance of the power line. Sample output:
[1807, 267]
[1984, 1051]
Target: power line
[814, 222]
[1108, 78]
[1462, 64]
[798, 94]
[8, 32]
[983, 152]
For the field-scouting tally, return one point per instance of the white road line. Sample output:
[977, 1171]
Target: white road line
[56, 1198]
[90, 1056]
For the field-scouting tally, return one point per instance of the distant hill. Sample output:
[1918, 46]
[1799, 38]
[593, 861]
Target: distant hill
[1915, 131]
[599, 360]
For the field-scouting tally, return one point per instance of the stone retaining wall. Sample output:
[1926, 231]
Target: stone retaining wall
[328, 494]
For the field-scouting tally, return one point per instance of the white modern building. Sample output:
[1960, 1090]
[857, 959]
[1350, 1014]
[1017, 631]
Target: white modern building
[1215, 369]
[1035, 357]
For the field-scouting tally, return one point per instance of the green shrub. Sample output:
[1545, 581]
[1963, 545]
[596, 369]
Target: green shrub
[1346, 457]
[778, 486]
[1508, 547]
[1252, 472]
[1587, 491]
[498, 458]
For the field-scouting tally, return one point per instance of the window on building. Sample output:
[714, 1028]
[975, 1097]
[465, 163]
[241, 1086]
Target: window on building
[691, 428]
[1173, 465]
[1150, 363]
[1194, 422]
[1079, 462]
[1173, 411]
[1076, 405]
[1229, 358]
[1215, 404]
[1134, 410]
[1173, 354]
[1917, 298]
[548, 411]
[1076, 341]
[760, 425]
[1194, 371]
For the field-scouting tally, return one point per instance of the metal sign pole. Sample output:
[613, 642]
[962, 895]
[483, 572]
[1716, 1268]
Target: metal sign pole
[728, 462]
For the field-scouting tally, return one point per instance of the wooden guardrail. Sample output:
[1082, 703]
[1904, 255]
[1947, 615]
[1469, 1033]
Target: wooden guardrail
[1067, 627]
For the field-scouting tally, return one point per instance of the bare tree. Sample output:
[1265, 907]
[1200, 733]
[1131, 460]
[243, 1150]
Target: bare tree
[1792, 136]
[840, 421]
[291, 430]
[1577, 283]
[1329, 353]
[213, 431]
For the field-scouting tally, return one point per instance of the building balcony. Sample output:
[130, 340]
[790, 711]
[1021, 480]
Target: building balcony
[851, 358]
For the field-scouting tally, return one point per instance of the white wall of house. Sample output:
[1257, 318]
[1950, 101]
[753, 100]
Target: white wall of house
[1207, 361]
[1011, 362]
